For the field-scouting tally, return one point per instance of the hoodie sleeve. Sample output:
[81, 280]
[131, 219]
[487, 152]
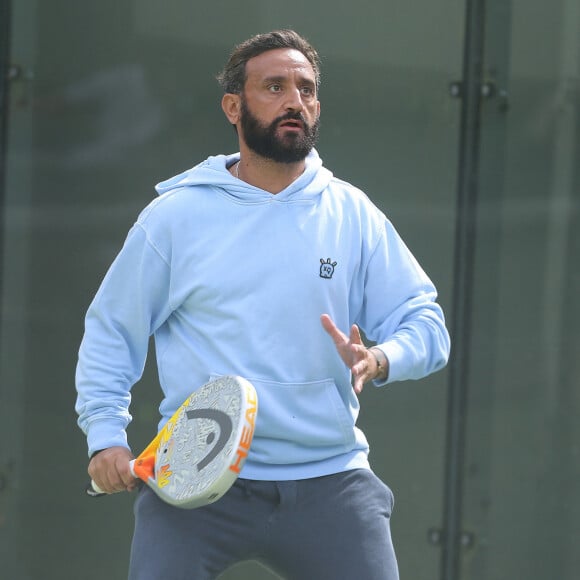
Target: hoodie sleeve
[401, 313]
[132, 301]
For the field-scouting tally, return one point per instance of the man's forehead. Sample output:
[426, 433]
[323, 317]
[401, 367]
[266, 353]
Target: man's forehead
[278, 62]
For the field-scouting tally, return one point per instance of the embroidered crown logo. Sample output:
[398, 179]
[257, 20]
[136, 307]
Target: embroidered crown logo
[326, 268]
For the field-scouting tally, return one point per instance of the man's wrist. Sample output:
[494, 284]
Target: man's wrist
[382, 363]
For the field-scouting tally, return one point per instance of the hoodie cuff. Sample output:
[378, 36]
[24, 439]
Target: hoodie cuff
[104, 434]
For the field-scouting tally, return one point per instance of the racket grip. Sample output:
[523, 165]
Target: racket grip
[93, 490]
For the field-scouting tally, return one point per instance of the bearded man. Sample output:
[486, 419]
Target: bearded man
[262, 264]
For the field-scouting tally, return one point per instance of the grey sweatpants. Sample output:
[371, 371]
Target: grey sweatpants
[326, 528]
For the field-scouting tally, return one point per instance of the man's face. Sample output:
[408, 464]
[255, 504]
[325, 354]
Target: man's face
[279, 109]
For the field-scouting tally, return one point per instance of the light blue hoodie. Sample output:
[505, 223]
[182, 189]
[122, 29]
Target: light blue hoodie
[232, 280]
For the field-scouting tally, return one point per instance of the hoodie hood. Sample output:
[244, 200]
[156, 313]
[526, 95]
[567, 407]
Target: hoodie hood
[214, 172]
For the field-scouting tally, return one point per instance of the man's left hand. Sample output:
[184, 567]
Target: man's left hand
[354, 353]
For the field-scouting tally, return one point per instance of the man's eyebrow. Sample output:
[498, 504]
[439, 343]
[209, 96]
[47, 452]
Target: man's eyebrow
[281, 79]
[274, 79]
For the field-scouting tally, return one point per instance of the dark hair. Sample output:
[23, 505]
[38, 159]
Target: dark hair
[233, 76]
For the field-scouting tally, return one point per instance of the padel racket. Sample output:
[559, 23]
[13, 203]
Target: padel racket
[198, 454]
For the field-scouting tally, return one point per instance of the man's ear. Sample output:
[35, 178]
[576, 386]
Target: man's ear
[231, 105]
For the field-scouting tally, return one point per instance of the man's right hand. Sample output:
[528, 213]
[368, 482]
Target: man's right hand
[110, 470]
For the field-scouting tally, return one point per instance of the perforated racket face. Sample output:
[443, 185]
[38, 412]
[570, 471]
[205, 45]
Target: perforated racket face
[193, 459]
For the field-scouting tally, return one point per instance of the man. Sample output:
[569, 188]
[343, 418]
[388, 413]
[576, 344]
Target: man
[264, 265]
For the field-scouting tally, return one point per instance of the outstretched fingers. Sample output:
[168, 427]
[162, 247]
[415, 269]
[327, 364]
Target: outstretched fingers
[339, 338]
[351, 349]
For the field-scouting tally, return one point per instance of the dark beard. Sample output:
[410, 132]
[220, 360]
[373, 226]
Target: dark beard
[263, 140]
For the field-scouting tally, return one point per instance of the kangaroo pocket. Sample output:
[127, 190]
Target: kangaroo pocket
[300, 422]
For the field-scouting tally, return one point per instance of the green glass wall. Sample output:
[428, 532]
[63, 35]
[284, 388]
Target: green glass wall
[106, 99]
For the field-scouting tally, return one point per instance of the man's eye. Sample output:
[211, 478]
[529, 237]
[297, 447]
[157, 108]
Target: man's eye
[275, 88]
[307, 91]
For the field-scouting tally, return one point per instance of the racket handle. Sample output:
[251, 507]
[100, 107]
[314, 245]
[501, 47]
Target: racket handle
[93, 490]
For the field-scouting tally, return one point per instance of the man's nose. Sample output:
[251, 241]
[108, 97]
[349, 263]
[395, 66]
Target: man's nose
[294, 100]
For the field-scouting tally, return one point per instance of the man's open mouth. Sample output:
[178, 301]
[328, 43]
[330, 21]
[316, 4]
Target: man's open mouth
[292, 124]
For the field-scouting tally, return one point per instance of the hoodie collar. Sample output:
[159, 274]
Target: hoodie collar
[214, 172]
